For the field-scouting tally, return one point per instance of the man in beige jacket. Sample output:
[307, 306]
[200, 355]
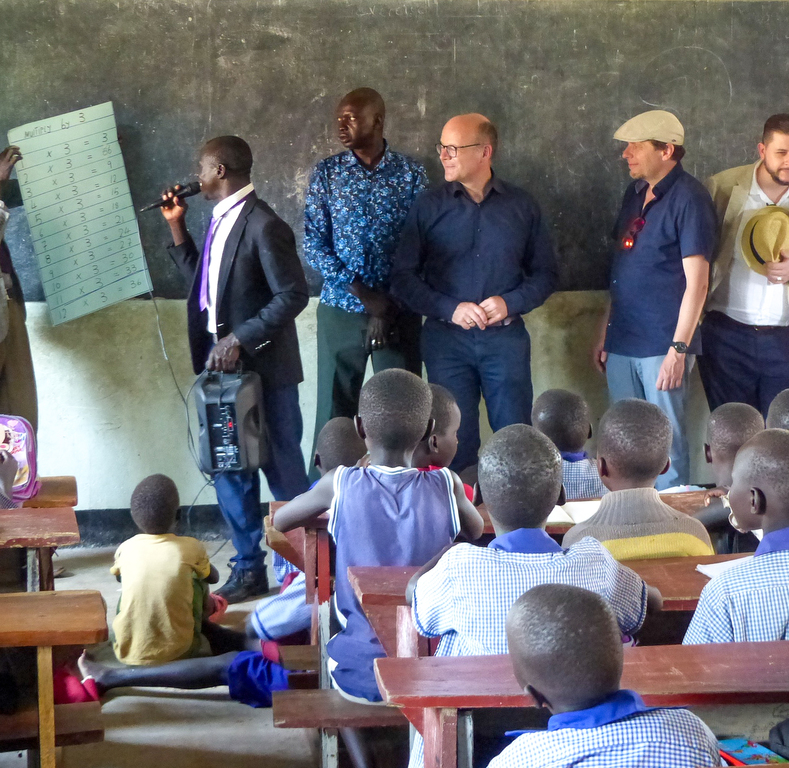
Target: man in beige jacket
[745, 332]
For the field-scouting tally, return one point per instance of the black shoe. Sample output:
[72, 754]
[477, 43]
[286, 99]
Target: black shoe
[244, 584]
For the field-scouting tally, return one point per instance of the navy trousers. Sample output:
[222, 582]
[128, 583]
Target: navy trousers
[743, 363]
[238, 493]
[494, 363]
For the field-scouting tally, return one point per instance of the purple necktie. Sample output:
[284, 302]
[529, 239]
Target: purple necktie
[206, 259]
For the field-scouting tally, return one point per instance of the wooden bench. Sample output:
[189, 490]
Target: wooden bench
[56, 491]
[432, 691]
[328, 709]
[39, 531]
[74, 724]
[43, 620]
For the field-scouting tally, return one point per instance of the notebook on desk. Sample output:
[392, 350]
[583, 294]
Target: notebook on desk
[715, 569]
[573, 512]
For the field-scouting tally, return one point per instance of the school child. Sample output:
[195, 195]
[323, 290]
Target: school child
[163, 579]
[778, 412]
[464, 595]
[388, 513]
[750, 602]
[438, 449]
[632, 521]
[730, 426]
[566, 653]
[564, 417]
[287, 613]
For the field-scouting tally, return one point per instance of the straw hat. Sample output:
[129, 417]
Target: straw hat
[763, 237]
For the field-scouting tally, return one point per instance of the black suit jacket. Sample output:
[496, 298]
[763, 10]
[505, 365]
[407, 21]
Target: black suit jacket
[261, 290]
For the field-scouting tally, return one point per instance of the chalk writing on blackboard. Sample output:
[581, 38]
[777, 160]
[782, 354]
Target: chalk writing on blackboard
[80, 212]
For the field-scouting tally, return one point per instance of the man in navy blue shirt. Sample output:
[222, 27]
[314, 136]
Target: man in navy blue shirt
[473, 257]
[356, 204]
[665, 238]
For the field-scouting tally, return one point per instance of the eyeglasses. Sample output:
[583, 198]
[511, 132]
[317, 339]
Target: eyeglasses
[629, 240]
[451, 149]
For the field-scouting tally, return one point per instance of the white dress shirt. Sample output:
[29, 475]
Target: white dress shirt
[745, 295]
[227, 211]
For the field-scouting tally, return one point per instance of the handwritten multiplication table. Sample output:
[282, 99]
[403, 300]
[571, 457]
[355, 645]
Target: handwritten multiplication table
[80, 212]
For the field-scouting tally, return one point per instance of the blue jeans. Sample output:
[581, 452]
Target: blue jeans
[637, 377]
[238, 493]
[495, 362]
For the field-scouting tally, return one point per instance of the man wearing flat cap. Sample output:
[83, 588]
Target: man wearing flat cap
[745, 331]
[664, 241]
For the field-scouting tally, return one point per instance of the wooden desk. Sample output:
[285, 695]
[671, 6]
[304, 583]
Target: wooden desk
[56, 491]
[39, 531]
[676, 577]
[44, 620]
[432, 690]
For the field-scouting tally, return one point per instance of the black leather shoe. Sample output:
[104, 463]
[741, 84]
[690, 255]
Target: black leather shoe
[244, 584]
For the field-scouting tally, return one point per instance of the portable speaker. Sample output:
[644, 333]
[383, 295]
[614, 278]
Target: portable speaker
[232, 428]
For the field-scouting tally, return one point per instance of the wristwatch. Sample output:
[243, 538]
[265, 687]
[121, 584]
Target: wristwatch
[680, 346]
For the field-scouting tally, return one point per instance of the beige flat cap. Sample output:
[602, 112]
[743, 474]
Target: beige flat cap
[655, 125]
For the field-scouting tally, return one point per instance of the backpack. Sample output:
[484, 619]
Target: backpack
[18, 438]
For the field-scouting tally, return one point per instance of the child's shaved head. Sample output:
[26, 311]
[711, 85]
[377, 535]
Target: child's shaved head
[635, 438]
[564, 417]
[730, 427]
[394, 407]
[443, 407]
[338, 444]
[778, 413]
[565, 644]
[759, 494]
[154, 504]
[520, 476]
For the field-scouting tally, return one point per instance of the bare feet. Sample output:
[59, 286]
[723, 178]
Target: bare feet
[90, 668]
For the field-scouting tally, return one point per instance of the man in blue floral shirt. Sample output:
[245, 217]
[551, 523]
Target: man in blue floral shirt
[356, 205]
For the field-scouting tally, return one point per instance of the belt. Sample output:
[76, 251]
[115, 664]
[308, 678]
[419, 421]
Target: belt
[501, 324]
[504, 323]
[726, 320]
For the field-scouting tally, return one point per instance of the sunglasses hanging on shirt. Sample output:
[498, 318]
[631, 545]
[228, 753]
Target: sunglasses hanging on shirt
[629, 240]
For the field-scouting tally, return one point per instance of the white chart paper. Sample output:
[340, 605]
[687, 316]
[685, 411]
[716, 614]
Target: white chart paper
[80, 212]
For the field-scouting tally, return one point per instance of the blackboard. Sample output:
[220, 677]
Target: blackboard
[557, 76]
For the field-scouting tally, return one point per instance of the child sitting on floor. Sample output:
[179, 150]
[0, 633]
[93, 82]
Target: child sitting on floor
[564, 417]
[464, 595]
[438, 449]
[566, 654]
[730, 426]
[387, 513]
[164, 577]
[750, 602]
[632, 521]
[287, 613]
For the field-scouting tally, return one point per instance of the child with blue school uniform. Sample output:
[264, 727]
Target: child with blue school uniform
[750, 602]
[388, 513]
[464, 596]
[594, 722]
[564, 417]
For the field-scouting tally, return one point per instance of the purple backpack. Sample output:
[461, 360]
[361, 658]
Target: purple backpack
[18, 438]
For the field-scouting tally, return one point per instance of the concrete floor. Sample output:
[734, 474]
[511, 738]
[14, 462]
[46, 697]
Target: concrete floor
[148, 728]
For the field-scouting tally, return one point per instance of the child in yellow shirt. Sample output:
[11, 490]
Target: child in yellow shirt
[164, 580]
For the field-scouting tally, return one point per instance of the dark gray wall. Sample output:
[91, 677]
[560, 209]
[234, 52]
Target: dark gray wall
[558, 78]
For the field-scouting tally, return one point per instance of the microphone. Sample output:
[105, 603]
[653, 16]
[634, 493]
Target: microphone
[187, 190]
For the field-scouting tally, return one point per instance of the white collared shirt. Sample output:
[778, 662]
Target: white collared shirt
[745, 295]
[225, 211]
